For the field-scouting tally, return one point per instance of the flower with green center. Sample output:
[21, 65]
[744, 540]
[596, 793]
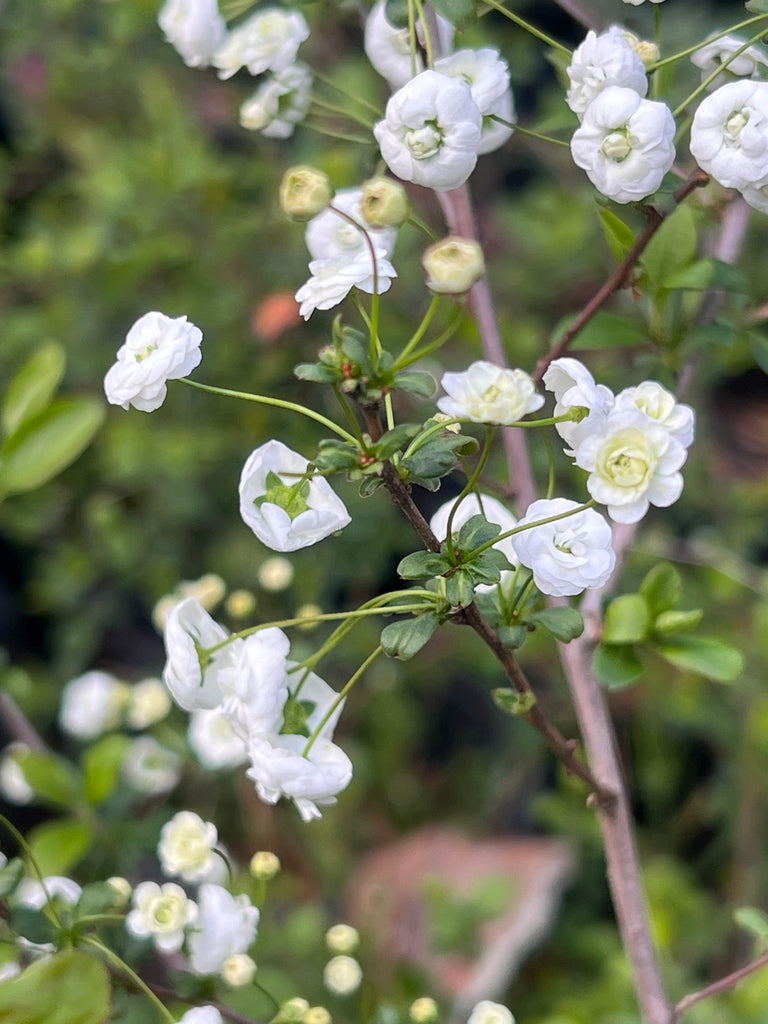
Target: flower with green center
[161, 912]
[729, 134]
[485, 393]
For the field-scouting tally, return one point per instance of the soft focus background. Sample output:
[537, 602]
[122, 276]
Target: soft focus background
[126, 184]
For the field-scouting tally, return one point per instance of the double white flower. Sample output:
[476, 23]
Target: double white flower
[389, 50]
[600, 62]
[266, 41]
[719, 52]
[195, 28]
[225, 926]
[487, 76]
[486, 393]
[186, 847]
[280, 102]
[729, 135]
[161, 912]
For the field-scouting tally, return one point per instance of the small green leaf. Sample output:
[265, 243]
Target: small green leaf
[707, 657]
[438, 455]
[101, 763]
[459, 591]
[97, 898]
[564, 624]
[616, 666]
[512, 636]
[33, 387]
[47, 443]
[354, 345]
[627, 620]
[317, 372]
[58, 845]
[34, 925]
[661, 588]
[677, 622]
[405, 638]
[10, 876]
[52, 778]
[672, 248]
[619, 236]
[460, 13]
[421, 564]
[415, 382]
[70, 987]
[697, 276]
[476, 532]
[488, 567]
[395, 439]
[511, 702]
[752, 920]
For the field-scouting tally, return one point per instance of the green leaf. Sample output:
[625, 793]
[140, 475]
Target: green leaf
[707, 657]
[58, 845]
[47, 443]
[97, 898]
[512, 636]
[671, 249]
[564, 624]
[415, 382]
[52, 778]
[619, 236]
[33, 387]
[438, 455]
[395, 439]
[460, 13]
[459, 591]
[101, 763]
[752, 920]
[488, 567]
[697, 276]
[475, 532]
[34, 925]
[757, 6]
[354, 345]
[616, 666]
[317, 372]
[677, 622]
[661, 588]
[10, 876]
[605, 330]
[405, 638]
[511, 702]
[627, 620]
[421, 564]
[70, 987]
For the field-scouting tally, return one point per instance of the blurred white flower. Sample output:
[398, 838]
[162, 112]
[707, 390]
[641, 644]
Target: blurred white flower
[255, 685]
[91, 705]
[342, 975]
[202, 1015]
[485, 393]
[34, 893]
[342, 938]
[431, 132]
[473, 505]
[157, 349]
[149, 768]
[636, 3]
[279, 768]
[209, 590]
[711, 56]
[280, 103]
[161, 912]
[389, 50]
[424, 1010]
[284, 510]
[13, 784]
[660, 405]
[189, 630]
[729, 134]
[225, 925]
[264, 865]
[195, 29]
[148, 702]
[275, 574]
[213, 741]
[266, 41]
[574, 386]
[486, 1012]
[238, 970]
[328, 234]
[186, 847]
[625, 144]
[569, 555]
[602, 61]
[333, 279]
[632, 464]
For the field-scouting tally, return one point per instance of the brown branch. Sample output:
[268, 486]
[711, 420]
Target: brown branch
[723, 985]
[620, 276]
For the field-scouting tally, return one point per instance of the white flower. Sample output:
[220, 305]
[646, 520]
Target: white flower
[148, 702]
[34, 893]
[255, 685]
[202, 1015]
[636, 3]
[342, 938]
[388, 48]
[186, 846]
[13, 783]
[625, 144]
[279, 768]
[474, 505]
[284, 510]
[599, 62]
[757, 197]
[157, 349]
[729, 134]
[431, 132]
[267, 41]
[634, 463]
[485, 393]
[485, 72]
[91, 705]
[279, 103]
[569, 555]
[162, 912]
[574, 386]
[225, 925]
[149, 768]
[486, 1012]
[329, 234]
[213, 741]
[333, 279]
[495, 134]
[189, 629]
[713, 55]
[342, 975]
[195, 28]
[660, 405]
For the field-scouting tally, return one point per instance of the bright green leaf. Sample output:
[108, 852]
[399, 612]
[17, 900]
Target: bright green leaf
[752, 920]
[563, 623]
[33, 387]
[661, 588]
[33, 924]
[605, 330]
[316, 372]
[460, 13]
[672, 248]
[395, 439]
[707, 657]
[619, 236]
[48, 442]
[627, 620]
[511, 702]
[475, 532]
[421, 564]
[415, 382]
[459, 590]
[70, 987]
[616, 666]
[101, 763]
[677, 622]
[697, 276]
[405, 638]
[52, 778]
[58, 845]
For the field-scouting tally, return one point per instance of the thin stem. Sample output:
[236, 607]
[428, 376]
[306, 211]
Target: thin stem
[374, 321]
[342, 696]
[334, 133]
[425, 228]
[723, 985]
[530, 132]
[421, 330]
[280, 403]
[123, 967]
[350, 96]
[334, 108]
[469, 486]
[24, 845]
[705, 42]
[433, 346]
[351, 418]
[429, 47]
[710, 78]
[530, 526]
[528, 27]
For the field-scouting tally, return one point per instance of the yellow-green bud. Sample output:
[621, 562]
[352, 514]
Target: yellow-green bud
[384, 203]
[647, 51]
[317, 1015]
[453, 265]
[292, 1011]
[309, 612]
[122, 889]
[238, 970]
[240, 604]
[305, 192]
[264, 865]
[424, 1011]
[342, 938]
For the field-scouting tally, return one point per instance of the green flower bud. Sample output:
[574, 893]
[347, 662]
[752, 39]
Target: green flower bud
[305, 192]
[384, 203]
[453, 265]
[264, 865]
[424, 1011]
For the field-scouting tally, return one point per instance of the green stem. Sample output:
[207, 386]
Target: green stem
[334, 133]
[123, 967]
[530, 131]
[425, 228]
[705, 42]
[422, 439]
[529, 526]
[428, 45]
[710, 78]
[24, 845]
[348, 412]
[528, 27]
[447, 334]
[468, 488]
[421, 330]
[334, 108]
[279, 403]
[348, 95]
[552, 468]
[342, 695]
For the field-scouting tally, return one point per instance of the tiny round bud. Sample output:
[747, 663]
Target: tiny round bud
[453, 265]
[317, 1015]
[264, 865]
[647, 51]
[240, 604]
[384, 203]
[292, 1011]
[424, 1011]
[342, 975]
[121, 887]
[342, 938]
[304, 192]
[309, 612]
[238, 970]
[275, 573]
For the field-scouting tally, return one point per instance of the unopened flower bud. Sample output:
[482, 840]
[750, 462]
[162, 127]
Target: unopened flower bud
[453, 265]
[384, 203]
[292, 1011]
[342, 975]
[304, 192]
[342, 938]
[647, 51]
[309, 613]
[275, 573]
[240, 604]
[317, 1015]
[238, 970]
[122, 889]
[424, 1011]
[264, 865]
